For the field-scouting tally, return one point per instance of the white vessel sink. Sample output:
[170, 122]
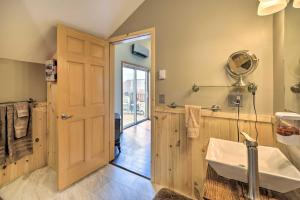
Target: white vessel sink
[276, 172]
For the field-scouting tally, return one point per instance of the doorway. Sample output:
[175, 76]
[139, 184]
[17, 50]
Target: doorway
[133, 102]
[135, 94]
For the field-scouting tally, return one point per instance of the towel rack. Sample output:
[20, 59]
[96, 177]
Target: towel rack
[214, 108]
[30, 100]
[196, 88]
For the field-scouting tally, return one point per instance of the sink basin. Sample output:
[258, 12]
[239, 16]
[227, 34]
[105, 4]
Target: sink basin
[276, 172]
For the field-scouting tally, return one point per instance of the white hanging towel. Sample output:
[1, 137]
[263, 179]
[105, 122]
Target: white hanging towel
[192, 120]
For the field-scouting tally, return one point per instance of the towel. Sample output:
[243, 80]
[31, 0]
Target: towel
[22, 109]
[2, 134]
[18, 147]
[21, 119]
[192, 120]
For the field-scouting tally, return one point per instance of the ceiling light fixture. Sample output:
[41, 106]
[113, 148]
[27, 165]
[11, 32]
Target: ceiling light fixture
[296, 4]
[268, 7]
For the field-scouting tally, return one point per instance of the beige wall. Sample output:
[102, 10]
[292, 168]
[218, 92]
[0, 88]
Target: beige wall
[193, 41]
[292, 57]
[123, 53]
[278, 58]
[22, 37]
[21, 80]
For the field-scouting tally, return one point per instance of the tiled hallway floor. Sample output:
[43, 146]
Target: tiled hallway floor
[108, 183]
[136, 149]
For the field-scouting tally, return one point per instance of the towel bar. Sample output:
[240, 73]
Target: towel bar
[30, 100]
[214, 108]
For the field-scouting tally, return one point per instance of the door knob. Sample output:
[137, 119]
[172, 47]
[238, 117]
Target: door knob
[66, 116]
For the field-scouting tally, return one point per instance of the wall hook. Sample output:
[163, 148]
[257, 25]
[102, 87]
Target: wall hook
[195, 88]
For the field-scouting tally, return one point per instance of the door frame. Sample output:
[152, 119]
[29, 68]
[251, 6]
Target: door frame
[147, 71]
[112, 42]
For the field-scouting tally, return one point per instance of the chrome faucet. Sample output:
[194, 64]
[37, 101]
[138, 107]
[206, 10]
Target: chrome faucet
[252, 174]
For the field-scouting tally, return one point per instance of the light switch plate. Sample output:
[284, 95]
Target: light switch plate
[161, 99]
[162, 74]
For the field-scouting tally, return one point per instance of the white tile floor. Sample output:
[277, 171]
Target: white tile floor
[108, 183]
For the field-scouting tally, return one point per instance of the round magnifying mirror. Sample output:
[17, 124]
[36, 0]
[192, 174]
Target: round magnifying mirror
[241, 64]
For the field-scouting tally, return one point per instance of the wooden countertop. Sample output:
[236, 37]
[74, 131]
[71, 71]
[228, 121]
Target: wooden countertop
[220, 188]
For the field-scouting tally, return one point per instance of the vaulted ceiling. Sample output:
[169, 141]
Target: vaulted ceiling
[28, 27]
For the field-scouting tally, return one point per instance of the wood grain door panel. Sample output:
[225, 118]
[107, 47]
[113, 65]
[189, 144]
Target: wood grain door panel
[76, 83]
[83, 96]
[97, 51]
[97, 79]
[75, 45]
[98, 137]
[76, 140]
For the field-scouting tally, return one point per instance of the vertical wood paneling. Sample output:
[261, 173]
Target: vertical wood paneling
[182, 170]
[51, 125]
[162, 169]
[39, 157]
[172, 151]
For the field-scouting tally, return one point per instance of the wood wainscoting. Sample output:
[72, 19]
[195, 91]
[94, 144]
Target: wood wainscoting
[179, 162]
[52, 125]
[39, 157]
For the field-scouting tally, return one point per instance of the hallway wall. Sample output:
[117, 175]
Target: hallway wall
[123, 53]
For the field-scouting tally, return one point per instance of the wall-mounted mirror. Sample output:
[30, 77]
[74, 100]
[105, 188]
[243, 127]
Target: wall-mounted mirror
[240, 65]
[287, 67]
[292, 58]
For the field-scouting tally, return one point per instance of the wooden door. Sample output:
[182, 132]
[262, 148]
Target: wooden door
[82, 104]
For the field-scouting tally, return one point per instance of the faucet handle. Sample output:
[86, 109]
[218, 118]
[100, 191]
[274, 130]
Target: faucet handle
[250, 142]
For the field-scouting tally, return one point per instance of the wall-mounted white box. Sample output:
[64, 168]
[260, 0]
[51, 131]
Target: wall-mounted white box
[162, 74]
